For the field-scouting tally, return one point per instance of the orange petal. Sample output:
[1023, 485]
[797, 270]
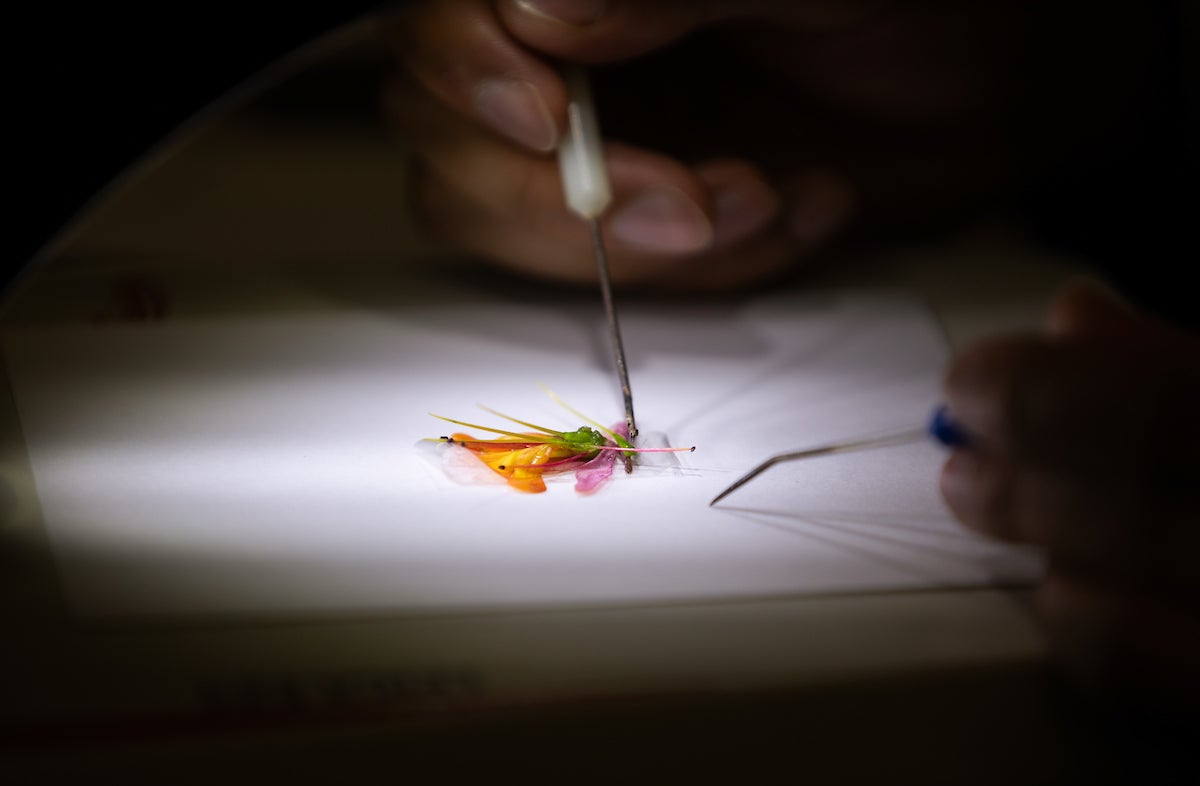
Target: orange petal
[527, 474]
[501, 462]
[521, 466]
[527, 481]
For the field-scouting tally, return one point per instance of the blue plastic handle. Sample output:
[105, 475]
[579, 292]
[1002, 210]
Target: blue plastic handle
[946, 430]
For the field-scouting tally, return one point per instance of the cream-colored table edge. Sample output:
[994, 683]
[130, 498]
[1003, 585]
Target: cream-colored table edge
[977, 283]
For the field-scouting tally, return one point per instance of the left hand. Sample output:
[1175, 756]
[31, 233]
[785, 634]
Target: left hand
[744, 139]
[1087, 440]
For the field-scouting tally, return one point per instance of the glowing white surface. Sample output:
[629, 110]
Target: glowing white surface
[269, 466]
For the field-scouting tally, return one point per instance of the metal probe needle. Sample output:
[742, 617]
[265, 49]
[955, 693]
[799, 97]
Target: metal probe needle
[916, 435]
[942, 427]
[588, 194]
[610, 310]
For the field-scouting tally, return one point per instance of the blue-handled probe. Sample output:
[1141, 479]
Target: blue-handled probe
[941, 427]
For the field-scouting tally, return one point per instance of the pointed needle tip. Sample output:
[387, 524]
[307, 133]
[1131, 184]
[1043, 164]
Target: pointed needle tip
[744, 479]
[741, 482]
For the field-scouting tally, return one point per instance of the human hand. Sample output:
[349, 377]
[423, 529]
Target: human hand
[744, 136]
[1086, 445]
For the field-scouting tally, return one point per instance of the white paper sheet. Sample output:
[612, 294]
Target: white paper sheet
[272, 465]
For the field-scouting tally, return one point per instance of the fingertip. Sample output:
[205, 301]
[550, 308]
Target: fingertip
[461, 54]
[1087, 307]
[744, 203]
[662, 219]
[599, 31]
[660, 206]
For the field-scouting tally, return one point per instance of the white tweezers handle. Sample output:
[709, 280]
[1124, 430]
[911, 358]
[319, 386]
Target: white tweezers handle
[581, 153]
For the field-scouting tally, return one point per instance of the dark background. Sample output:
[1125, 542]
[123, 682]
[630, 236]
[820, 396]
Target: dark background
[93, 88]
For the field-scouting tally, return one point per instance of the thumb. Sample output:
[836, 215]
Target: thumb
[606, 31]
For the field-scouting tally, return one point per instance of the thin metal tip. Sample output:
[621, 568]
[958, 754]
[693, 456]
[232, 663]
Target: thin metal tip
[743, 480]
[610, 311]
[840, 447]
[719, 497]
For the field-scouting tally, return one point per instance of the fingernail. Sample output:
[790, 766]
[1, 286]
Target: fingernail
[514, 108]
[662, 219]
[569, 12]
[742, 210]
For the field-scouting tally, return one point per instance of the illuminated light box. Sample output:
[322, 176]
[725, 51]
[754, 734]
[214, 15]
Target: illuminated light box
[273, 465]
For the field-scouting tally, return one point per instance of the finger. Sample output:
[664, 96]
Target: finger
[462, 54]
[1134, 646]
[744, 202]
[659, 205]
[762, 233]
[1086, 308]
[760, 259]
[607, 31]
[1092, 405]
[1112, 527]
[559, 248]
[1012, 501]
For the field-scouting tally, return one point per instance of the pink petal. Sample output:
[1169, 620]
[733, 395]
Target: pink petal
[592, 475]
